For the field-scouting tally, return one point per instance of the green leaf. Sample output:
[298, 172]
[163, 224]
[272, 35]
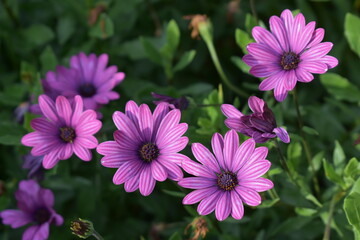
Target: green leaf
[152, 53]
[174, 193]
[310, 131]
[242, 39]
[352, 169]
[352, 32]
[104, 27]
[38, 34]
[240, 64]
[332, 175]
[338, 157]
[250, 22]
[340, 87]
[306, 212]
[185, 60]
[269, 203]
[65, 28]
[175, 236]
[352, 209]
[48, 60]
[172, 40]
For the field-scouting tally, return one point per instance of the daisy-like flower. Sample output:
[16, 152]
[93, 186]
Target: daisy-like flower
[88, 77]
[225, 181]
[35, 206]
[146, 147]
[260, 125]
[291, 51]
[63, 129]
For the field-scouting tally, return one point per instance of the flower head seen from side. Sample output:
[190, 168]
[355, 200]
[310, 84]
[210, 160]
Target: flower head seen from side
[63, 129]
[146, 147]
[174, 103]
[291, 51]
[36, 207]
[88, 76]
[227, 179]
[260, 125]
[34, 165]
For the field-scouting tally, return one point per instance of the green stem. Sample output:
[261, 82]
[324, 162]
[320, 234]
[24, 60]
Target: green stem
[97, 235]
[283, 162]
[335, 199]
[253, 10]
[306, 144]
[10, 13]
[207, 37]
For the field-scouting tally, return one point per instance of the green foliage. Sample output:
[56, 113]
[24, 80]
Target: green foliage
[352, 32]
[242, 39]
[340, 87]
[104, 27]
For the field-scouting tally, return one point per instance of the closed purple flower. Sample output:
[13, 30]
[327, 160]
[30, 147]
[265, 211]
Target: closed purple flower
[88, 76]
[146, 147]
[291, 51]
[260, 125]
[174, 103]
[36, 207]
[227, 179]
[63, 129]
[34, 165]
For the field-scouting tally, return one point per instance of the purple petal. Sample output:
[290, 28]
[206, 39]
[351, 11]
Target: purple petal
[196, 169]
[64, 110]
[217, 144]
[250, 60]
[86, 116]
[15, 218]
[257, 169]
[330, 61]
[158, 171]
[317, 37]
[48, 109]
[271, 82]
[204, 156]
[82, 152]
[30, 232]
[145, 122]
[317, 51]
[304, 37]
[147, 182]
[51, 159]
[259, 184]
[173, 170]
[87, 142]
[291, 80]
[234, 123]
[108, 148]
[47, 197]
[303, 75]
[198, 195]
[282, 134]
[280, 92]
[59, 220]
[166, 138]
[132, 184]
[176, 158]
[175, 146]
[125, 142]
[88, 128]
[256, 104]
[263, 36]
[223, 207]
[259, 154]
[263, 52]
[126, 171]
[243, 154]
[230, 111]
[248, 195]
[160, 112]
[314, 67]
[42, 232]
[168, 122]
[237, 208]
[124, 124]
[116, 160]
[288, 19]
[132, 111]
[197, 182]
[295, 33]
[208, 204]
[43, 125]
[277, 27]
[265, 70]
[231, 144]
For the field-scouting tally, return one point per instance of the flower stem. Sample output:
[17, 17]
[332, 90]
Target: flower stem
[335, 199]
[206, 35]
[97, 235]
[253, 10]
[283, 161]
[306, 144]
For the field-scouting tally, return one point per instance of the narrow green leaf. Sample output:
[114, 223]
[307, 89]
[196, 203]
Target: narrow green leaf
[352, 32]
[340, 87]
[269, 203]
[152, 53]
[174, 193]
[338, 157]
[250, 22]
[172, 40]
[310, 131]
[185, 60]
[332, 175]
[48, 60]
[240, 64]
[242, 39]
[65, 29]
[305, 211]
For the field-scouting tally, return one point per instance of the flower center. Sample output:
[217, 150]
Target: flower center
[227, 181]
[41, 215]
[148, 152]
[87, 90]
[289, 61]
[67, 134]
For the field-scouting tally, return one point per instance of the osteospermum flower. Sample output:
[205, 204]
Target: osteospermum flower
[35, 207]
[146, 147]
[88, 77]
[225, 181]
[63, 129]
[291, 51]
[260, 125]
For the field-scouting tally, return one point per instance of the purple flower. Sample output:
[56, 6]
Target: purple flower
[260, 125]
[146, 147]
[34, 165]
[227, 180]
[291, 51]
[36, 206]
[88, 77]
[63, 130]
[174, 103]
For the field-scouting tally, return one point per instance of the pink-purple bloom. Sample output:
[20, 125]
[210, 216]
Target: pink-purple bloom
[260, 125]
[63, 129]
[88, 76]
[227, 179]
[174, 103]
[35, 207]
[146, 147]
[34, 165]
[291, 51]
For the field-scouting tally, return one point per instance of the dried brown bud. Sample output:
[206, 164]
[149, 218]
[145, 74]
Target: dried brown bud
[195, 20]
[94, 13]
[199, 228]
